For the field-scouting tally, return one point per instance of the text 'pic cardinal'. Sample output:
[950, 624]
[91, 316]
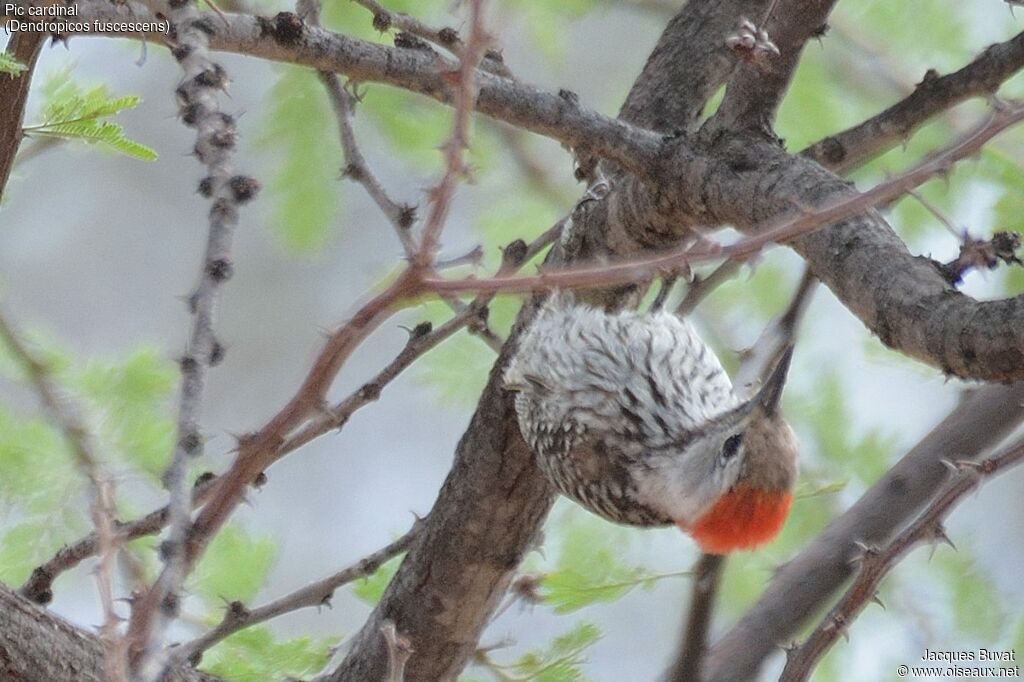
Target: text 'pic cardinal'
[631, 415]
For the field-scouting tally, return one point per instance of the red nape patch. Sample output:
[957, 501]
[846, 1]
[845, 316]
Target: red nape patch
[742, 519]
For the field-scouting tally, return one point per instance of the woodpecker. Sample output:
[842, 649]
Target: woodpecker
[631, 415]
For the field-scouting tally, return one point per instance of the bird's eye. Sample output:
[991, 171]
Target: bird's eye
[731, 446]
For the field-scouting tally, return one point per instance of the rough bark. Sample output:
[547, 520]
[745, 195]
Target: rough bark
[39, 646]
[25, 47]
[902, 298]
[706, 179]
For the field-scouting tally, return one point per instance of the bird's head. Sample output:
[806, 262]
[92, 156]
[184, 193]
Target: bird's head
[736, 480]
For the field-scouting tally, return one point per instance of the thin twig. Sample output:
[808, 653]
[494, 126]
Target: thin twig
[39, 586]
[447, 37]
[102, 506]
[702, 287]
[419, 343]
[238, 617]
[401, 216]
[779, 232]
[777, 336]
[385, 20]
[875, 562]
[931, 208]
[464, 98]
[707, 576]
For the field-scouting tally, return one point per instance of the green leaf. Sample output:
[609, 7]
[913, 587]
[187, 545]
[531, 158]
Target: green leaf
[590, 569]
[234, 567]
[72, 113]
[301, 136]
[570, 590]
[253, 655]
[105, 134]
[559, 662]
[806, 491]
[371, 588]
[827, 416]
[976, 605]
[10, 65]
[130, 399]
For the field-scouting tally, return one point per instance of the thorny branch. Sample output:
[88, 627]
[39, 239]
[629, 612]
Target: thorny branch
[780, 232]
[465, 102]
[385, 20]
[307, 409]
[286, 38]
[102, 503]
[446, 37]
[847, 150]
[707, 576]
[258, 450]
[400, 216]
[421, 340]
[875, 563]
[317, 594]
[197, 97]
[39, 586]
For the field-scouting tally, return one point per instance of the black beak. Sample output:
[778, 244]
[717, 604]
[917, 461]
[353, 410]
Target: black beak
[770, 394]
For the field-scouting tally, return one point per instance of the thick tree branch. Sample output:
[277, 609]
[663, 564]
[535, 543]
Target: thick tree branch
[286, 38]
[707, 576]
[38, 646]
[696, 66]
[455, 574]
[806, 582]
[25, 47]
[845, 151]
[38, 587]
[804, 223]
[710, 180]
[756, 90]
[875, 563]
[490, 509]
[464, 98]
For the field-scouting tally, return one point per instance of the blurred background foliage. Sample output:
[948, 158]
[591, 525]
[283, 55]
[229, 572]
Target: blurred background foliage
[873, 55]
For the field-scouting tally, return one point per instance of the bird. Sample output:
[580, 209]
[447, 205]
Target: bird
[631, 415]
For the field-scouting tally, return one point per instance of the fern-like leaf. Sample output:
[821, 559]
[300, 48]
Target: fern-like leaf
[74, 113]
[10, 65]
